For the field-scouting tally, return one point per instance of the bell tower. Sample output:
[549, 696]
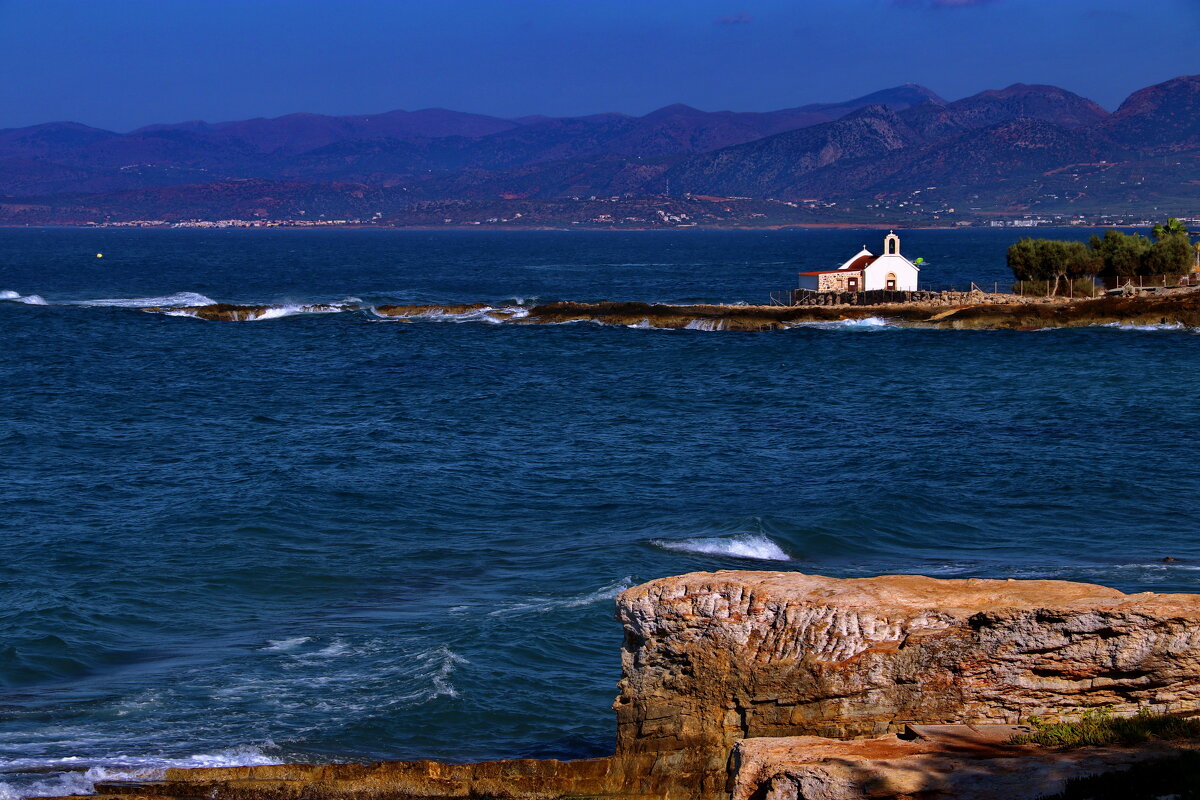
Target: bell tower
[891, 244]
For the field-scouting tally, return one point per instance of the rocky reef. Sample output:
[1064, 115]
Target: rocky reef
[962, 310]
[782, 686]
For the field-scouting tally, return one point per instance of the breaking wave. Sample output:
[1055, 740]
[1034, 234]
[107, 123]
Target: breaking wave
[492, 314]
[77, 776]
[179, 299]
[751, 546]
[441, 662]
[287, 644]
[869, 323]
[256, 313]
[706, 325]
[278, 312]
[29, 299]
[1162, 326]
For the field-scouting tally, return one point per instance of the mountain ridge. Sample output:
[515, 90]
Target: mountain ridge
[1023, 146]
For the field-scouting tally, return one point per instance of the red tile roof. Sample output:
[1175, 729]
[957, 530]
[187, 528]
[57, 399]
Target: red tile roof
[858, 265]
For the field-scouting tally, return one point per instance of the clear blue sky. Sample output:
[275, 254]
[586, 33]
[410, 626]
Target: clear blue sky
[123, 63]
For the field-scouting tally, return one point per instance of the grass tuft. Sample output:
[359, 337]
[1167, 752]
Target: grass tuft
[1097, 727]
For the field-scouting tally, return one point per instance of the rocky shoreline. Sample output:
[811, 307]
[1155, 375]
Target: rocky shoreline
[960, 311]
[781, 686]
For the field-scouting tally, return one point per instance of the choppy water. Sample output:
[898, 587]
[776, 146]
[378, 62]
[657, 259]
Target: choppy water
[330, 536]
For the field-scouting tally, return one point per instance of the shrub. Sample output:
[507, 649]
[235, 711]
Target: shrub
[1097, 727]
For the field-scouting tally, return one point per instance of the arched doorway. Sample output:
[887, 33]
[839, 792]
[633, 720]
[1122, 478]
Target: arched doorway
[890, 282]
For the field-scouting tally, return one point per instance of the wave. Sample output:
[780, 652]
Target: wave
[492, 314]
[176, 300]
[279, 312]
[751, 546]
[29, 299]
[286, 644]
[706, 325]
[9, 294]
[606, 592]
[440, 663]
[1161, 326]
[77, 776]
[227, 313]
[869, 323]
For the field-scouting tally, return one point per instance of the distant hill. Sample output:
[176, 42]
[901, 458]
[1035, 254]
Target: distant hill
[1159, 119]
[1024, 147]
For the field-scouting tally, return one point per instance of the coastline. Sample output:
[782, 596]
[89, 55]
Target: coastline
[738, 685]
[951, 310]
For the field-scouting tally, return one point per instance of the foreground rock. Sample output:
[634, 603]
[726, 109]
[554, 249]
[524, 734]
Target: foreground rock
[967, 767]
[729, 678]
[711, 658]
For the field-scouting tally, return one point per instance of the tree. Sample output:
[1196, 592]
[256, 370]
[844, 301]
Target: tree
[1170, 255]
[1121, 255]
[1022, 260]
[1172, 227]
[1046, 260]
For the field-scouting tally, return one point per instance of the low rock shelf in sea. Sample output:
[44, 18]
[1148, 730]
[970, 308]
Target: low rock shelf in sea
[959, 310]
[782, 686]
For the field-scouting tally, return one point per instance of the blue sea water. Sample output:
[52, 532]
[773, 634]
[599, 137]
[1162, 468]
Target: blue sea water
[338, 537]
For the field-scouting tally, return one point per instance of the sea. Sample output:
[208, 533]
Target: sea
[339, 537]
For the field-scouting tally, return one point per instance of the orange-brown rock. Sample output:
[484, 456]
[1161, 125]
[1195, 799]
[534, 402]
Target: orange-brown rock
[712, 658]
[812, 768]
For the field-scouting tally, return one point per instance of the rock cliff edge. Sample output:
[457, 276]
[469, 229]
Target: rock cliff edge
[716, 663]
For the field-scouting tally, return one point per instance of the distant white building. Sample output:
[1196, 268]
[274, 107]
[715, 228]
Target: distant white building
[865, 272]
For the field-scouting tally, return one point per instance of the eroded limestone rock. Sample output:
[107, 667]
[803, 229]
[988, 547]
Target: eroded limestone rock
[711, 658]
[812, 768]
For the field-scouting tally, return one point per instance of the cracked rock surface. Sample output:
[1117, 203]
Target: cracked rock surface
[712, 658]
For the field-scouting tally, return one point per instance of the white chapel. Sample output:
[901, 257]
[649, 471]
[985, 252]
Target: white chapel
[865, 272]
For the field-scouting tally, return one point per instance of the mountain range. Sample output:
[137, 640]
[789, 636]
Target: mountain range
[897, 152]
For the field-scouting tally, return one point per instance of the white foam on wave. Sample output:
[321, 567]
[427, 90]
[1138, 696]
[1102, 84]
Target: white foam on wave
[276, 312]
[867, 323]
[753, 546]
[643, 325]
[606, 592]
[706, 325]
[176, 300]
[440, 664]
[9, 294]
[335, 648]
[1162, 326]
[492, 314]
[32, 300]
[286, 644]
[79, 775]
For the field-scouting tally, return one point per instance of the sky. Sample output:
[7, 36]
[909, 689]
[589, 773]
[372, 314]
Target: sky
[120, 64]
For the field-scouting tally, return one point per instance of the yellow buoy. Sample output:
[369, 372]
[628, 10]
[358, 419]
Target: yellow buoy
[99, 255]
